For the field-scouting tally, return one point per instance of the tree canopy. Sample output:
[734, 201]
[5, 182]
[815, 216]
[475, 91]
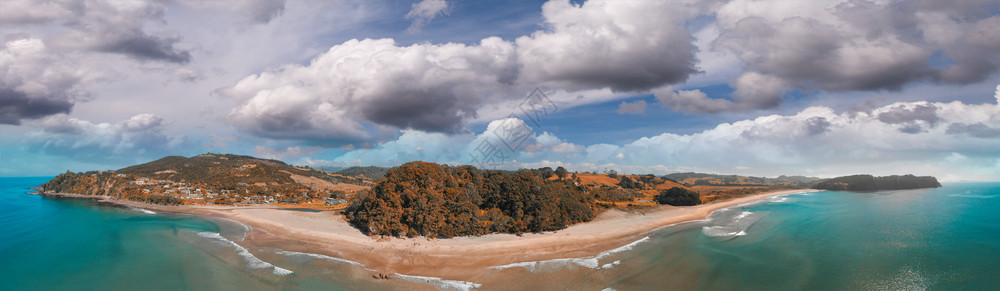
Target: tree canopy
[420, 198]
[678, 196]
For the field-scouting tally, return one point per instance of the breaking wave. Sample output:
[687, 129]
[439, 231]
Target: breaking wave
[611, 265]
[972, 194]
[321, 257]
[251, 260]
[440, 283]
[736, 227]
[587, 262]
[137, 209]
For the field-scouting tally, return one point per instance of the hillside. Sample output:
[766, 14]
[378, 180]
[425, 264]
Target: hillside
[702, 179]
[371, 172]
[872, 183]
[211, 179]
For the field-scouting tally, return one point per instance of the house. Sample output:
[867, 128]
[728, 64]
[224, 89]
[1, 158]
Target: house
[333, 201]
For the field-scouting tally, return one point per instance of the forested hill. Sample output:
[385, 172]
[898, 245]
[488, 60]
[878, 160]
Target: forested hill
[372, 172]
[420, 198]
[872, 183]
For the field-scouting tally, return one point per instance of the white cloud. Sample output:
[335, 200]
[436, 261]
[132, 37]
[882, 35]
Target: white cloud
[423, 12]
[283, 154]
[360, 82]
[624, 46]
[593, 50]
[637, 107]
[691, 101]
[851, 46]
[36, 82]
[137, 138]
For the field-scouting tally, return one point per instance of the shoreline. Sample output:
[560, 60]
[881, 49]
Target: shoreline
[460, 258]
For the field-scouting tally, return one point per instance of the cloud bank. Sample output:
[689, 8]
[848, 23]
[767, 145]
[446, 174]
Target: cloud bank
[815, 141]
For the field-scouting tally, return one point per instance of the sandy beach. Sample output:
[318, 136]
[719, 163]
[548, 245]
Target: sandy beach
[462, 258]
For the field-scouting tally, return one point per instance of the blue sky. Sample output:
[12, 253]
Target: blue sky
[764, 87]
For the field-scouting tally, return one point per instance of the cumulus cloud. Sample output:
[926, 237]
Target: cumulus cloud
[32, 12]
[423, 12]
[35, 82]
[625, 46]
[252, 11]
[977, 129]
[361, 88]
[637, 107]
[282, 154]
[854, 45]
[120, 27]
[423, 86]
[116, 27]
[914, 118]
[137, 137]
[691, 101]
[263, 11]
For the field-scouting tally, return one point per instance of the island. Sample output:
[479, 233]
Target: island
[424, 218]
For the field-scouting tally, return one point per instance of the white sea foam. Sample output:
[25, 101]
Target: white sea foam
[440, 283]
[555, 264]
[972, 196]
[732, 228]
[251, 260]
[146, 211]
[623, 248]
[246, 228]
[321, 257]
[743, 215]
[611, 265]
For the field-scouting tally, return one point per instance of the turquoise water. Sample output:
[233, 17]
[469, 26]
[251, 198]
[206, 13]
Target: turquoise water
[945, 238]
[940, 239]
[67, 244]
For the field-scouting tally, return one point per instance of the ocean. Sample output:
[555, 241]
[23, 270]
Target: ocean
[944, 238]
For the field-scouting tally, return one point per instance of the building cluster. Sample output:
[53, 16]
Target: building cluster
[243, 193]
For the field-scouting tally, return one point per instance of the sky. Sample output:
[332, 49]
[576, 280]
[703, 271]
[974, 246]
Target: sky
[763, 88]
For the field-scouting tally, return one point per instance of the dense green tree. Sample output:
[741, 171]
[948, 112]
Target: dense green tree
[546, 172]
[678, 196]
[433, 200]
[628, 183]
[561, 172]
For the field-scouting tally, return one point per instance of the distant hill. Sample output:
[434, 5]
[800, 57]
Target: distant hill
[372, 172]
[703, 179]
[872, 183]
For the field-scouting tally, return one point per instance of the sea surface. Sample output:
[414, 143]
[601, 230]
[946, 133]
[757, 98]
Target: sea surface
[943, 239]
